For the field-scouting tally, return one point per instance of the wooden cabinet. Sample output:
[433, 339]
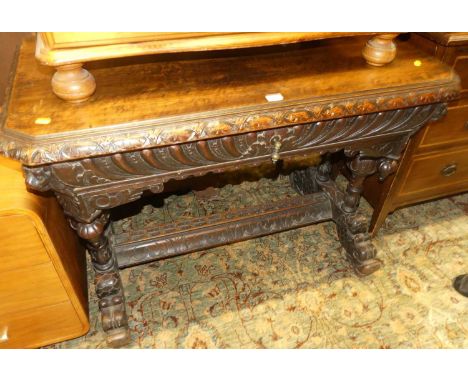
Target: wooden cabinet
[43, 294]
[435, 164]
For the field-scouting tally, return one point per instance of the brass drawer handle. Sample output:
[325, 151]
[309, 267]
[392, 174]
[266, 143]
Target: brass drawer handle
[449, 170]
[276, 140]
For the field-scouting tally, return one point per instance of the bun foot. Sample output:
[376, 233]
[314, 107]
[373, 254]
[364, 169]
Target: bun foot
[368, 267]
[380, 50]
[118, 337]
[73, 83]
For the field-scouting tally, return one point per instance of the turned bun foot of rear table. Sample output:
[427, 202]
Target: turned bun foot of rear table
[73, 83]
[380, 50]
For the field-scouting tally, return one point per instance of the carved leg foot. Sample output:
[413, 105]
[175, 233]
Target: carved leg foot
[380, 50]
[73, 83]
[303, 181]
[107, 281]
[352, 232]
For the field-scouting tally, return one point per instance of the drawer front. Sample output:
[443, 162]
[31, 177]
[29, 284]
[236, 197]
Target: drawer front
[21, 243]
[436, 175]
[452, 129]
[40, 327]
[30, 288]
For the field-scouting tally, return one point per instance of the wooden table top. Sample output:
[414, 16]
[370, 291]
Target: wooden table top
[158, 100]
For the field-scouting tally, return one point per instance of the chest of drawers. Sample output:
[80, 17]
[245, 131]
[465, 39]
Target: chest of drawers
[435, 163]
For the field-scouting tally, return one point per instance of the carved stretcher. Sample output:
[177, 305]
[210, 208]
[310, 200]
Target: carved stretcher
[158, 121]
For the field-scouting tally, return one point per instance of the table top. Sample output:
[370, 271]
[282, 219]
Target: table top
[166, 99]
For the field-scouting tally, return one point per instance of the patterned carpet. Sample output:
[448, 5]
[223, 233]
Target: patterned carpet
[295, 289]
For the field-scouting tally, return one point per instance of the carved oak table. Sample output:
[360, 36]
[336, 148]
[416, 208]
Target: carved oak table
[158, 119]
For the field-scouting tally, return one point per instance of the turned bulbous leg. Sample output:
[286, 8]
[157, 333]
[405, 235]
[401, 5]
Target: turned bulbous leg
[73, 83]
[380, 49]
[351, 226]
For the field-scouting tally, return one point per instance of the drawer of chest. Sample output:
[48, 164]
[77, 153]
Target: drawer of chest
[437, 175]
[21, 244]
[450, 130]
[40, 326]
[30, 288]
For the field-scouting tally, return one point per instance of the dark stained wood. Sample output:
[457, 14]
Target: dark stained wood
[166, 121]
[136, 247]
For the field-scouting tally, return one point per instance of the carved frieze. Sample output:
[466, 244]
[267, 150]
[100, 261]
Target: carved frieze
[85, 187]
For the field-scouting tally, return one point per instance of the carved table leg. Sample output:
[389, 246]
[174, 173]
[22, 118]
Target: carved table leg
[351, 226]
[107, 280]
[380, 49]
[73, 83]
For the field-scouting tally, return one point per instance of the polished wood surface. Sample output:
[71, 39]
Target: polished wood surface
[447, 38]
[186, 87]
[61, 49]
[42, 326]
[58, 48]
[434, 174]
[9, 42]
[201, 96]
[41, 267]
[380, 50]
[27, 242]
[435, 162]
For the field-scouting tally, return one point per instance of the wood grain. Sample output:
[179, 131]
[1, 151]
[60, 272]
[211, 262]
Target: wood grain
[19, 236]
[448, 132]
[164, 100]
[32, 328]
[426, 176]
[58, 48]
[42, 265]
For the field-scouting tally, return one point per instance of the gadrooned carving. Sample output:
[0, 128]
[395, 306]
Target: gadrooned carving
[166, 132]
[85, 187]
